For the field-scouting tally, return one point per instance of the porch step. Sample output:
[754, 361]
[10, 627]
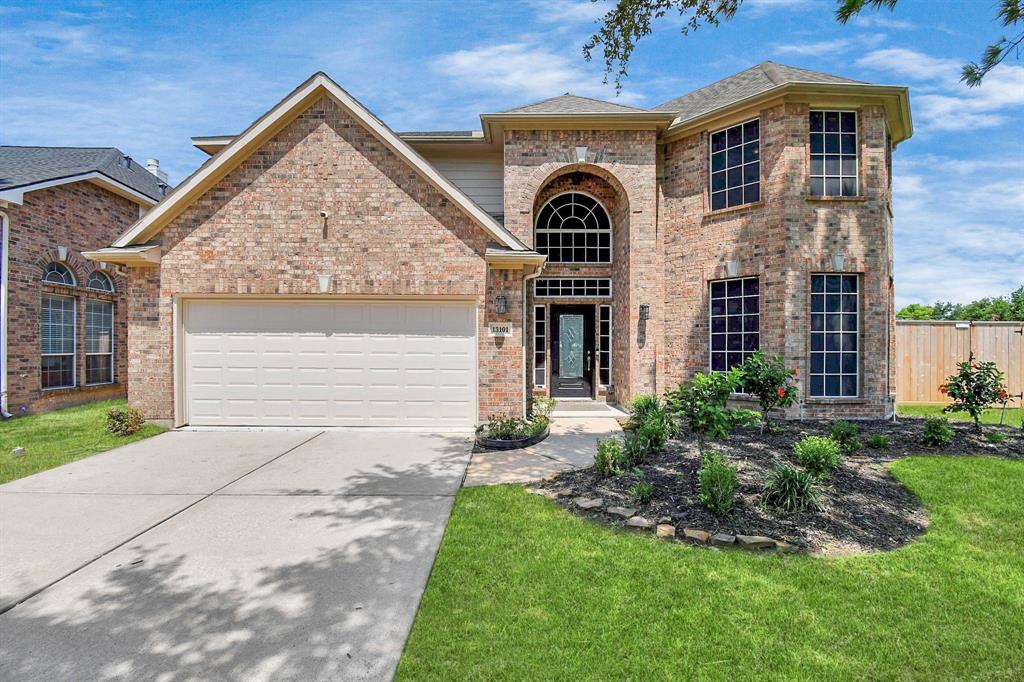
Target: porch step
[585, 408]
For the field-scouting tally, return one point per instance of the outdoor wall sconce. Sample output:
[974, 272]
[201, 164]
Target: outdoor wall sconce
[645, 312]
[325, 283]
[500, 305]
[838, 260]
[581, 154]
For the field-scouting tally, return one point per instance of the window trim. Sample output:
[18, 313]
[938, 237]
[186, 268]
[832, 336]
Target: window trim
[811, 397]
[113, 343]
[105, 276]
[824, 176]
[604, 345]
[760, 302]
[540, 346]
[573, 294]
[610, 231]
[74, 344]
[760, 175]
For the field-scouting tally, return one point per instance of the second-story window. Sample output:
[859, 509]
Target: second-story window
[736, 165]
[574, 228]
[834, 154]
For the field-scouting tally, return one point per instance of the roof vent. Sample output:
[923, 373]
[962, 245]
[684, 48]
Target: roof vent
[153, 166]
[127, 161]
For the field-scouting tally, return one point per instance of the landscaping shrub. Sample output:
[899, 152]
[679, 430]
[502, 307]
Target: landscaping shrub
[792, 490]
[501, 426]
[717, 483]
[702, 405]
[995, 437]
[642, 491]
[642, 405]
[635, 450]
[937, 432]
[608, 458]
[124, 420]
[542, 406]
[535, 426]
[820, 454]
[770, 380]
[846, 434]
[878, 442]
[974, 388]
[654, 431]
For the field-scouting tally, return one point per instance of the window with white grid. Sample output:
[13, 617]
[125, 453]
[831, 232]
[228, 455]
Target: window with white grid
[833, 153]
[835, 310]
[540, 346]
[574, 228]
[735, 320]
[57, 341]
[736, 165]
[99, 342]
[604, 351]
[573, 287]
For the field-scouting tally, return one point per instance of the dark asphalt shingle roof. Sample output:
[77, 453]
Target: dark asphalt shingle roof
[572, 104]
[747, 83]
[21, 166]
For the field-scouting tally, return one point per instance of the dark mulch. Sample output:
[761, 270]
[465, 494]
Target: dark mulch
[863, 507]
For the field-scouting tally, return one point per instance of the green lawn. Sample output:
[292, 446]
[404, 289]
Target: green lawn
[1013, 415]
[524, 590]
[59, 437]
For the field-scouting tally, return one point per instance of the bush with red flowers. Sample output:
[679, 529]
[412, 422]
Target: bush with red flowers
[974, 388]
[770, 380]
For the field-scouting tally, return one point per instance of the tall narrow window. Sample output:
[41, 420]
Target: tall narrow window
[540, 346]
[735, 319]
[604, 335]
[736, 165]
[57, 341]
[574, 228]
[834, 336]
[99, 342]
[834, 154]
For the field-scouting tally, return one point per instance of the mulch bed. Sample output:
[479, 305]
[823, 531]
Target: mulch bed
[864, 508]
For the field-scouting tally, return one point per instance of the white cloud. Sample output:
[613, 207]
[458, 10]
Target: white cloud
[911, 64]
[881, 21]
[524, 70]
[569, 11]
[829, 47]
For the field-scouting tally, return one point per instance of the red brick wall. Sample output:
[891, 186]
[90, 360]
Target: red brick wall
[259, 231]
[784, 240]
[80, 217]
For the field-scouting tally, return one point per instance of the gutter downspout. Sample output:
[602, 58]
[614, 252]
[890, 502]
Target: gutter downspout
[526, 369]
[5, 227]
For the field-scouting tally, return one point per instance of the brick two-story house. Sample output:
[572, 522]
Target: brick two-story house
[323, 269]
[63, 327]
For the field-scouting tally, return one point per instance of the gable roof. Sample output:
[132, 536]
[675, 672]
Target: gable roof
[747, 83]
[23, 169]
[268, 125]
[572, 104]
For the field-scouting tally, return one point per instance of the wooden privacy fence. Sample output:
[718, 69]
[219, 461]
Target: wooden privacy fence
[927, 352]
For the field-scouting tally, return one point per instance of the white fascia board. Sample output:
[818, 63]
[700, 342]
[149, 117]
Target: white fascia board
[193, 186]
[137, 256]
[16, 195]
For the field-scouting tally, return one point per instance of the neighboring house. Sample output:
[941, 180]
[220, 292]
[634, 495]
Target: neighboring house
[322, 269]
[64, 324]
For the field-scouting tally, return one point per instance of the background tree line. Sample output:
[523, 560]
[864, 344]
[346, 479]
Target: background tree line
[1009, 307]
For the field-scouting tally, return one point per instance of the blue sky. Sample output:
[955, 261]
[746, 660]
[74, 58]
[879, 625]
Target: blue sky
[146, 76]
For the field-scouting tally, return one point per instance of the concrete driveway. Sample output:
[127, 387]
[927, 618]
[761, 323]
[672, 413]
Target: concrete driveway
[242, 555]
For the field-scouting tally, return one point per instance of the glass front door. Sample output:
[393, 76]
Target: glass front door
[572, 349]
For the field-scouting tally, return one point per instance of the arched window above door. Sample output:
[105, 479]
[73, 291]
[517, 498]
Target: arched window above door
[574, 227]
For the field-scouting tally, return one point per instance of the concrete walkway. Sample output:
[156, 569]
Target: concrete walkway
[571, 445]
[276, 555]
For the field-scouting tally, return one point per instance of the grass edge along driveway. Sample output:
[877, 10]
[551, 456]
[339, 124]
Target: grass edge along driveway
[59, 437]
[524, 590]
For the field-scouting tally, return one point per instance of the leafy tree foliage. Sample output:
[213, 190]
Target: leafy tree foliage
[1010, 307]
[625, 24]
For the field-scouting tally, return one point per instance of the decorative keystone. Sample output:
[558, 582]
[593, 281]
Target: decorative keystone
[624, 512]
[723, 540]
[696, 536]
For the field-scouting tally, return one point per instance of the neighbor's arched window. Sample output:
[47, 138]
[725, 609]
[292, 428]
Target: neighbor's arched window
[58, 273]
[100, 281]
[574, 228]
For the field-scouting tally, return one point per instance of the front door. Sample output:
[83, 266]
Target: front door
[572, 351]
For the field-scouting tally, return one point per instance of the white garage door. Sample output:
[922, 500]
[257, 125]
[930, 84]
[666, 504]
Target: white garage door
[281, 363]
